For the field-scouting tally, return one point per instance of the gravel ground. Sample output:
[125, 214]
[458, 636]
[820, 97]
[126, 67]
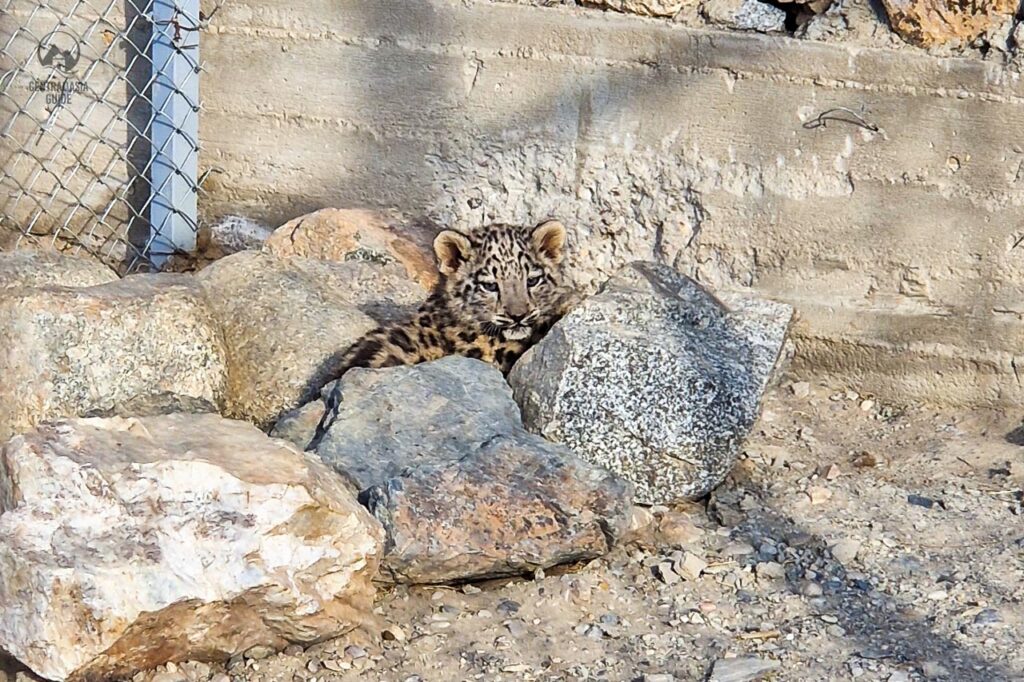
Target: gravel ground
[853, 541]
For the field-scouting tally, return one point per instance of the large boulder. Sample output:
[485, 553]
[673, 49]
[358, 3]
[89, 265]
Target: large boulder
[655, 379]
[929, 23]
[128, 543]
[37, 268]
[285, 322]
[382, 237]
[462, 489]
[72, 351]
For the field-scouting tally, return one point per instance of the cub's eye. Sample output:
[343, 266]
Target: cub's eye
[535, 281]
[489, 286]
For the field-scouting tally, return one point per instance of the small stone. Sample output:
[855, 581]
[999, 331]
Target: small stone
[845, 551]
[293, 650]
[353, 651]
[221, 677]
[771, 570]
[819, 494]
[899, 676]
[507, 607]
[829, 618]
[658, 677]
[737, 549]
[741, 669]
[393, 633]
[690, 567]
[865, 460]
[801, 389]
[663, 571]
[937, 595]
[471, 589]
[867, 405]
[988, 617]
[934, 670]
[921, 501]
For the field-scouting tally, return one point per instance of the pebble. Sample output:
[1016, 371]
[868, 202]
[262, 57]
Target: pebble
[353, 651]
[934, 670]
[471, 589]
[921, 501]
[771, 570]
[393, 633]
[690, 567]
[988, 617]
[257, 653]
[819, 494]
[658, 677]
[507, 607]
[801, 389]
[845, 551]
[899, 676]
[293, 650]
[663, 571]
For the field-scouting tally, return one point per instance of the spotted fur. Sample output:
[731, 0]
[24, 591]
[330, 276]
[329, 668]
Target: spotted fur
[501, 289]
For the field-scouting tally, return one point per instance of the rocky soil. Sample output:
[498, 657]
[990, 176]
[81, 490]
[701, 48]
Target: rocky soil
[853, 541]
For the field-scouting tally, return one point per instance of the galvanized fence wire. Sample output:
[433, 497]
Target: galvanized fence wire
[98, 127]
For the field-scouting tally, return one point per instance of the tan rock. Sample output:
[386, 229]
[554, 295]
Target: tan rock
[68, 352]
[286, 320]
[37, 268]
[129, 543]
[929, 23]
[650, 8]
[355, 234]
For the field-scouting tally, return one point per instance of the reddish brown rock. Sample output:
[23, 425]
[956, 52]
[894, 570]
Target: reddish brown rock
[930, 23]
[355, 234]
[514, 505]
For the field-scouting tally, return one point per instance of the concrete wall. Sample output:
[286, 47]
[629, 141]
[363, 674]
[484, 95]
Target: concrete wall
[898, 247]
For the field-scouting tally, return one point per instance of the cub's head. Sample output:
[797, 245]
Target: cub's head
[503, 279]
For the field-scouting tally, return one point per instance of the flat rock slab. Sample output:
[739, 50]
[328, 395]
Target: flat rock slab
[462, 489]
[72, 351]
[655, 379]
[128, 543]
[37, 268]
[285, 321]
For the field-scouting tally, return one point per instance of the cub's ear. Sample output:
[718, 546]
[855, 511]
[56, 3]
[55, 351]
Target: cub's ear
[452, 250]
[549, 240]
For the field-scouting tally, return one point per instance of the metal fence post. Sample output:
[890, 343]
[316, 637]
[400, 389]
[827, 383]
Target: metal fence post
[175, 128]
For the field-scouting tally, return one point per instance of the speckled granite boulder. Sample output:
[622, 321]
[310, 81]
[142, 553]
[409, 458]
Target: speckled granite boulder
[286, 320]
[655, 379]
[36, 268]
[462, 489]
[128, 543]
[76, 351]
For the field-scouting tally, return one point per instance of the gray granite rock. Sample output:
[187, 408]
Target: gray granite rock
[462, 489]
[745, 15]
[655, 379]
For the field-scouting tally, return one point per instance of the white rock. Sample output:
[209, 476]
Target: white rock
[128, 543]
[845, 551]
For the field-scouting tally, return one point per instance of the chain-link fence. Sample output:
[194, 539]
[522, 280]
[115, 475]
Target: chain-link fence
[99, 108]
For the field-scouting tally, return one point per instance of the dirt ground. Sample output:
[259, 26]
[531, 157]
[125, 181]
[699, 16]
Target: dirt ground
[853, 541]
